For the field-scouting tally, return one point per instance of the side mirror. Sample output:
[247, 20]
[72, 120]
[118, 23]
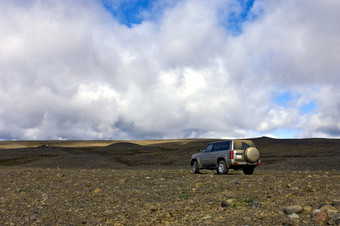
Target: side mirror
[202, 150]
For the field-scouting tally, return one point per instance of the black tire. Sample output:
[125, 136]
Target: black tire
[248, 170]
[195, 168]
[222, 167]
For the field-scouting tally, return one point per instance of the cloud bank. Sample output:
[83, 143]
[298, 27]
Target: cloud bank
[72, 70]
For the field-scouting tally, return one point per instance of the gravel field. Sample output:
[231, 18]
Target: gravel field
[151, 183]
[33, 196]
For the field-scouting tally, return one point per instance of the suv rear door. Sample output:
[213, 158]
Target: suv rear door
[239, 148]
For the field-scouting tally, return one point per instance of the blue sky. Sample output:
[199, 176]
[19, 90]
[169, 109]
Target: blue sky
[288, 99]
[118, 69]
[129, 13]
[134, 12]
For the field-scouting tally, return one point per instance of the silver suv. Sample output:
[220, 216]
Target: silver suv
[227, 154]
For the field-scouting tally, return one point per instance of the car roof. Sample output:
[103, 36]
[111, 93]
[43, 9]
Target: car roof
[220, 141]
[235, 140]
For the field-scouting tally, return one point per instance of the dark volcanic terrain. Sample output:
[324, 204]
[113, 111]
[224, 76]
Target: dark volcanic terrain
[150, 183]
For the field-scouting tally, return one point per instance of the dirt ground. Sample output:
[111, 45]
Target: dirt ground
[151, 183]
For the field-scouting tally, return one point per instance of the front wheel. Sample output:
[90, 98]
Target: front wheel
[248, 171]
[222, 168]
[195, 168]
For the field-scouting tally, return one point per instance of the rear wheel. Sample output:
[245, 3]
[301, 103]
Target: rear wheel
[222, 168]
[248, 171]
[195, 168]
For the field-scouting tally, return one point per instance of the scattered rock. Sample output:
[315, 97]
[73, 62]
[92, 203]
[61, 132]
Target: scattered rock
[108, 212]
[293, 216]
[255, 204]
[227, 203]
[332, 213]
[330, 210]
[327, 207]
[97, 190]
[292, 209]
[307, 209]
[335, 220]
[336, 203]
[34, 216]
[246, 219]
[319, 215]
[187, 208]
[44, 197]
[206, 217]
[126, 197]
[290, 221]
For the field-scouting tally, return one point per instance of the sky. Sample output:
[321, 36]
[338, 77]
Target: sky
[129, 69]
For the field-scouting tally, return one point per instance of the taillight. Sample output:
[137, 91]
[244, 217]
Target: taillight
[231, 154]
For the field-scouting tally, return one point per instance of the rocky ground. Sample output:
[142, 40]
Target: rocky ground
[98, 187]
[166, 196]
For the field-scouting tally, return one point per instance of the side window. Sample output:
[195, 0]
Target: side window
[208, 148]
[221, 146]
[216, 147]
[225, 145]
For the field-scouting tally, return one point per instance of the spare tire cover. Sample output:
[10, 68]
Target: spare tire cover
[252, 154]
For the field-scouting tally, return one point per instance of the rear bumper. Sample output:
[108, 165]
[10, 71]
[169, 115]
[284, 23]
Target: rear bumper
[236, 163]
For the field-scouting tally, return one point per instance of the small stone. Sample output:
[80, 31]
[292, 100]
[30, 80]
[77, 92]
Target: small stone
[336, 203]
[108, 212]
[307, 209]
[207, 217]
[97, 190]
[332, 213]
[153, 208]
[293, 216]
[334, 220]
[34, 216]
[227, 203]
[292, 209]
[327, 207]
[187, 208]
[255, 204]
[319, 215]
[246, 219]
[44, 197]
[291, 221]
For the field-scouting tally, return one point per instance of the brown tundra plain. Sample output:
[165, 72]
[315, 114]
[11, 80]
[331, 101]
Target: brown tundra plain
[150, 182]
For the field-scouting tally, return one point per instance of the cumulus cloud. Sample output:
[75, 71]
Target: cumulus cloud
[71, 70]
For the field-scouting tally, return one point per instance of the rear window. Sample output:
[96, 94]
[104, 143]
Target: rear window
[243, 144]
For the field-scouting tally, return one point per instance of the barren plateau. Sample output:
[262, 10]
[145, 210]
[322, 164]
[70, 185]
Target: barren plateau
[151, 183]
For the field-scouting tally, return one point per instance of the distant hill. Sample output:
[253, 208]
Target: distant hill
[292, 154]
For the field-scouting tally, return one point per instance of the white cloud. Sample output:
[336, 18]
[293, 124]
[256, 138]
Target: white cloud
[69, 70]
